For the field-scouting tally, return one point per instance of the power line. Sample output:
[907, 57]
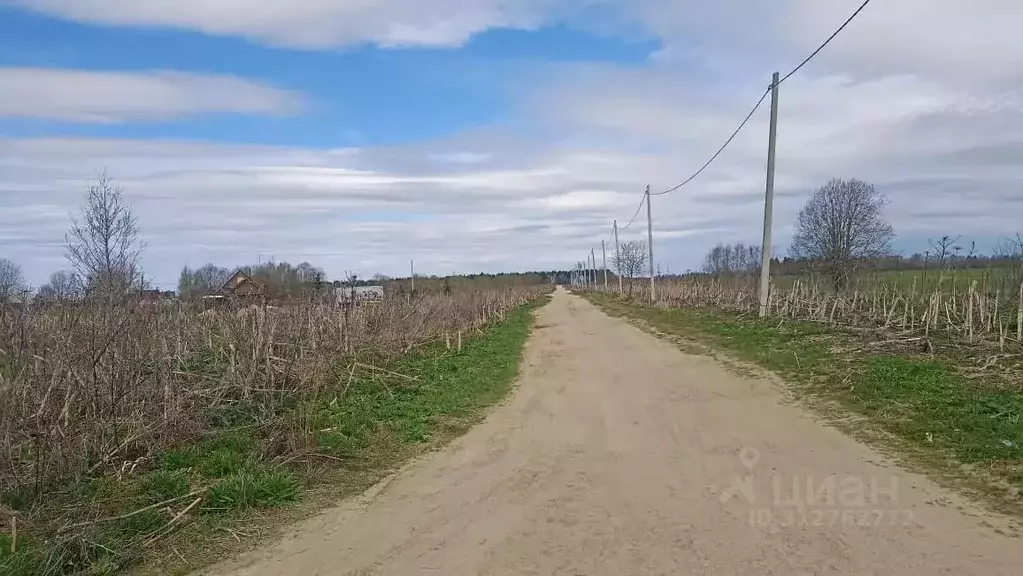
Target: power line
[721, 149]
[826, 42]
[638, 208]
[763, 97]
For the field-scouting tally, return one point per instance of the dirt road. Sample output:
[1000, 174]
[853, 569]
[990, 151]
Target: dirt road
[619, 454]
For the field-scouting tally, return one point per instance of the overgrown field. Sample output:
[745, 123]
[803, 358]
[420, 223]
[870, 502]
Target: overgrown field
[990, 279]
[127, 433]
[972, 306]
[941, 403]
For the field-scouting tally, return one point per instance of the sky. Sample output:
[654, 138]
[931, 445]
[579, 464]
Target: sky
[495, 135]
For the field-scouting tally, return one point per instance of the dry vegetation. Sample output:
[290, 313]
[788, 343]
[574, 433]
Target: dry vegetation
[985, 309]
[91, 389]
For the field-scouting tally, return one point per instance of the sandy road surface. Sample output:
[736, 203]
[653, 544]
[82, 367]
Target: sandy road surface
[618, 454]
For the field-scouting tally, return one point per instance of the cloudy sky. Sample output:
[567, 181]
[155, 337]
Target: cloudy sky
[494, 134]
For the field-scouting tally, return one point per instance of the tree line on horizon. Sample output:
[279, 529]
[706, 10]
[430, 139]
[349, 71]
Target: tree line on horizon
[103, 247]
[842, 231]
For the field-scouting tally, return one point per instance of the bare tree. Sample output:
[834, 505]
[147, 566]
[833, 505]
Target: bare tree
[201, 281]
[12, 281]
[945, 250]
[63, 285]
[308, 273]
[104, 246]
[840, 227]
[1010, 248]
[580, 273]
[630, 260]
[732, 258]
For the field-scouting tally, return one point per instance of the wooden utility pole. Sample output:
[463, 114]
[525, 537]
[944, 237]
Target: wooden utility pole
[618, 262]
[650, 245]
[765, 258]
[603, 254]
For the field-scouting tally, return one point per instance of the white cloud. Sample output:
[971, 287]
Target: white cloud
[359, 209]
[939, 129]
[109, 97]
[942, 38]
[312, 23]
[946, 38]
[462, 157]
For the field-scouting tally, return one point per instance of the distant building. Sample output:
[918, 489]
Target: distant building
[155, 295]
[359, 294]
[240, 286]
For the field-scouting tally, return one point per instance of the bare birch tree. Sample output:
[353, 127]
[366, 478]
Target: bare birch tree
[63, 285]
[840, 227]
[12, 281]
[202, 281]
[732, 258]
[104, 245]
[630, 260]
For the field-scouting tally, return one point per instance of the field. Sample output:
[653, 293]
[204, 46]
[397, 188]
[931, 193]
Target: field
[989, 279]
[130, 431]
[981, 305]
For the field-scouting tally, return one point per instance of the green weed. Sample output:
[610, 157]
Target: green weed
[161, 485]
[261, 489]
[17, 498]
[449, 392]
[214, 457]
[931, 403]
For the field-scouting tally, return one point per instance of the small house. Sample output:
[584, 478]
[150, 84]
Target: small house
[240, 287]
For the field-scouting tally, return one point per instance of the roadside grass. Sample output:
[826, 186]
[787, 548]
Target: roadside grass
[915, 405]
[361, 427]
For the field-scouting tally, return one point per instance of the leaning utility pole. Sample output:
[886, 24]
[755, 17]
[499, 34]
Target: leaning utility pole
[593, 266]
[650, 245]
[618, 262]
[765, 258]
[603, 254]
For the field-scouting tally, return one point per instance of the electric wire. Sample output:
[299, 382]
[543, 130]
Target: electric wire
[753, 111]
[764, 97]
[721, 149]
[638, 208]
[826, 42]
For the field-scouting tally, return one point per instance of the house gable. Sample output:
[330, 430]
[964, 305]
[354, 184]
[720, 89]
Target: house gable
[241, 284]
